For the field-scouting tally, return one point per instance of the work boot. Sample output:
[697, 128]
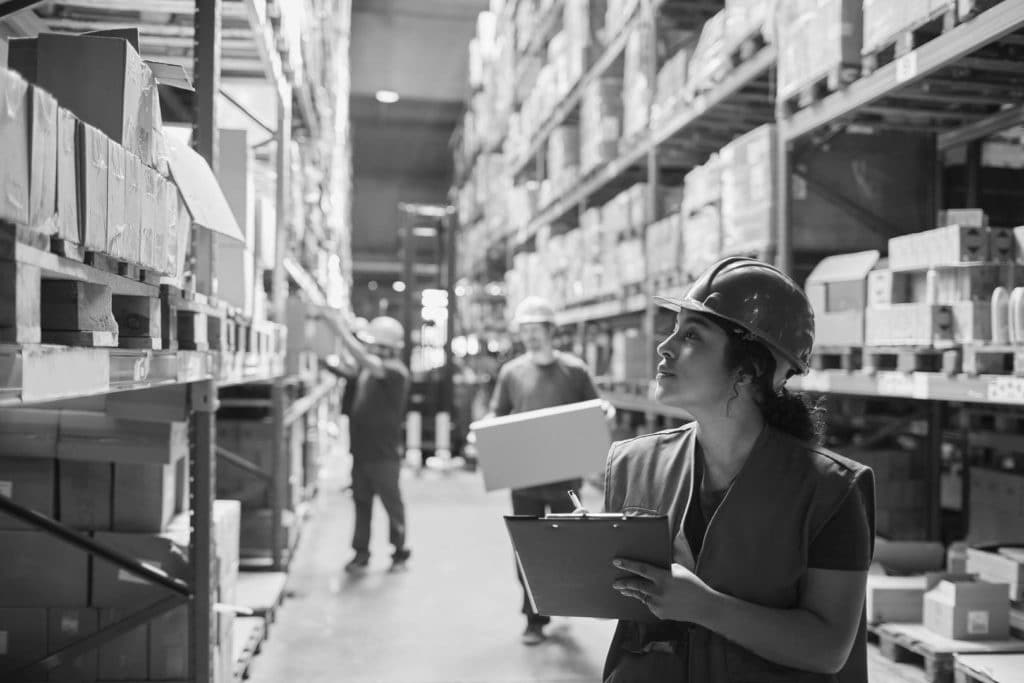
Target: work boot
[358, 564]
[534, 634]
[399, 559]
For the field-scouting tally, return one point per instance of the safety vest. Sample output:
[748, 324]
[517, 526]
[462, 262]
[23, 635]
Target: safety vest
[755, 548]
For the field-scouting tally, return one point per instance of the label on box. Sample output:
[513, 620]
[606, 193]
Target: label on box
[6, 489]
[977, 622]
[128, 577]
[1006, 390]
[3, 642]
[69, 624]
[914, 385]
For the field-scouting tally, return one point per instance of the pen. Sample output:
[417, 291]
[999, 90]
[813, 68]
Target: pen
[575, 500]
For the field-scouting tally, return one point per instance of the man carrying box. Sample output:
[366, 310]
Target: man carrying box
[540, 378]
[376, 417]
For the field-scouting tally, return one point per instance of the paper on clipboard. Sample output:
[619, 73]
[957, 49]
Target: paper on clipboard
[566, 561]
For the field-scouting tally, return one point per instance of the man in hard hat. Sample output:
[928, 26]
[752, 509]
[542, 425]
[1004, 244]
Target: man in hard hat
[376, 416]
[540, 378]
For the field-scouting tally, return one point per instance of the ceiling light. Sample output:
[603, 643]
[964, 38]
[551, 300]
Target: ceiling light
[387, 96]
[398, 286]
[424, 231]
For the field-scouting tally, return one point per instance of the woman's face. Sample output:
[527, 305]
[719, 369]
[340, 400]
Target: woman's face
[692, 373]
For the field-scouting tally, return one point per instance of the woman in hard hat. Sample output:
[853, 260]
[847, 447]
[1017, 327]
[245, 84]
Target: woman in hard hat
[772, 534]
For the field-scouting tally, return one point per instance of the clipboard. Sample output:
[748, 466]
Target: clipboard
[566, 561]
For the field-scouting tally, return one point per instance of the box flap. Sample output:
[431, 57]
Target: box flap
[171, 75]
[844, 267]
[201, 192]
[129, 34]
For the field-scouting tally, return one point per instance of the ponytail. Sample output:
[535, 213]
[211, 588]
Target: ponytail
[793, 413]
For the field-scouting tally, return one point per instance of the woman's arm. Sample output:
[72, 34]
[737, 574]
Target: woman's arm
[817, 635]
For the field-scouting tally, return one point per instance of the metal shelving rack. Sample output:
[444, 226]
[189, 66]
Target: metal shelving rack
[955, 86]
[44, 374]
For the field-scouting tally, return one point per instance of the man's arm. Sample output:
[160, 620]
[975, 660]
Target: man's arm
[364, 358]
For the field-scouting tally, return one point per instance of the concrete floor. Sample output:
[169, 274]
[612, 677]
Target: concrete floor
[453, 617]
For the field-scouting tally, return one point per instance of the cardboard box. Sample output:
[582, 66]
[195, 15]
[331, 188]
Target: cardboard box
[23, 639]
[972, 322]
[968, 610]
[126, 657]
[144, 497]
[29, 433]
[998, 567]
[14, 141]
[895, 598]
[152, 148]
[116, 587]
[42, 205]
[69, 226]
[234, 172]
[131, 248]
[66, 626]
[254, 532]
[886, 287]
[158, 227]
[939, 247]
[169, 645]
[236, 274]
[97, 78]
[84, 490]
[42, 571]
[29, 482]
[908, 325]
[94, 177]
[972, 218]
[148, 194]
[542, 446]
[92, 436]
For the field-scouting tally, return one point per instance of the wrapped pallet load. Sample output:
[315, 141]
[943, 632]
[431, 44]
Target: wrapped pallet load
[819, 41]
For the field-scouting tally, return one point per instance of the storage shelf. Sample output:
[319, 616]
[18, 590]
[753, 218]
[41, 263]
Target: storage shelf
[571, 101]
[929, 89]
[991, 389]
[606, 309]
[41, 373]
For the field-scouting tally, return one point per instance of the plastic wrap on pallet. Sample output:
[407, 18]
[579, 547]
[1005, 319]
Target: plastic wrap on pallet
[710, 54]
[637, 89]
[748, 191]
[815, 38]
[702, 239]
[703, 186]
[884, 19]
[744, 18]
[600, 122]
[670, 91]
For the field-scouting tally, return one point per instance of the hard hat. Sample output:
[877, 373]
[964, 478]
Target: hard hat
[534, 309]
[385, 331]
[760, 299]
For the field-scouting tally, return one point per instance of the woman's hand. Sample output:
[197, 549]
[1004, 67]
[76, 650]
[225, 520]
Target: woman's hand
[677, 594]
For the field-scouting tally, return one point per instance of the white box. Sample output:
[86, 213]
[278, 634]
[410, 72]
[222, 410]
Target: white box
[542, 446]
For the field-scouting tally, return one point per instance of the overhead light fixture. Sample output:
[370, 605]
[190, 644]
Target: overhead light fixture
[424, 231]
[398, 286]
[387, 96]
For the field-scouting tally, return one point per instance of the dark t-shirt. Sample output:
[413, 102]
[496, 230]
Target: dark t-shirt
[377, 414]
[844, 542]
[524, 385]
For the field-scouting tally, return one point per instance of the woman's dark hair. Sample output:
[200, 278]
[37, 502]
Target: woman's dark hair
[795, 414]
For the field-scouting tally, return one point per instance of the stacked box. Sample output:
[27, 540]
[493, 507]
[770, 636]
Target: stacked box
[816, 39]
[42, 204]
[744, 18]
[564, 157]
[968, 610]
[748, 191]
[600, 122]
[69, 226]
[945, 246]
[664, 246]
[885, 20]
[670, 91]
[927, 325]
[14, 140]
[901, 491]
[637, 89]
[999, 565]
[709, 55]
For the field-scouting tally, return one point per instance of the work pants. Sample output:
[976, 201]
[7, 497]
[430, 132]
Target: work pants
[377, 478]
[536, 506]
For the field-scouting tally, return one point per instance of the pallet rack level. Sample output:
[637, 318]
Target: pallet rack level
[43, 373]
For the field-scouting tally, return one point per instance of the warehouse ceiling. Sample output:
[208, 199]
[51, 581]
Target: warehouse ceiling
[400, 151]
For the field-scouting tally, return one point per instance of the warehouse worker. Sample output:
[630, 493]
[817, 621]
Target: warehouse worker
[773, 534]
[540, 378]
[376, 417]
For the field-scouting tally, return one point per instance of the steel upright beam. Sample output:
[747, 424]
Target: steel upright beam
[973, 168]
[277, 392]
[204, 131]
[783, 240]
[651, 200]
[202, 473]
[933, 467]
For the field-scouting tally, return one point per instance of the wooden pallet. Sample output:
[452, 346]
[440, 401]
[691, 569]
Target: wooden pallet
[248, 634]
[910, 359]
[56, 300]
[743, 50]
[914, 643]
[937, 22]
[1000, 668]
[994, 360]
[832, 80]
[848, 358]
